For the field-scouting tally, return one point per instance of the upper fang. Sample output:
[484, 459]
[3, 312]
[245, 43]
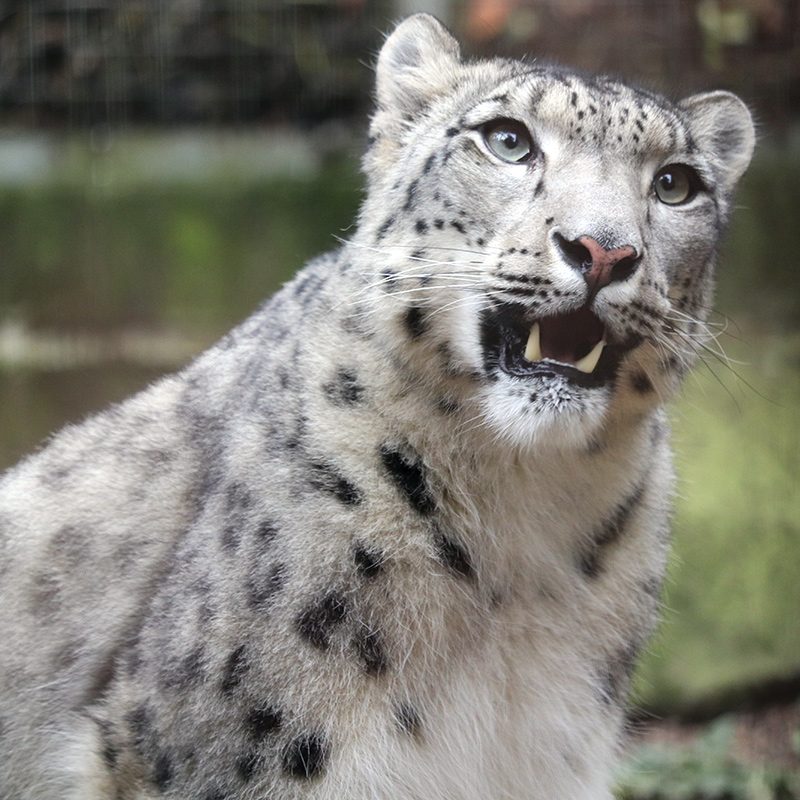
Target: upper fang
[533, 350]
[589, 361]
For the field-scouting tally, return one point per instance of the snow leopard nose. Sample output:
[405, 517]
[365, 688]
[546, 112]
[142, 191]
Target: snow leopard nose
[598, 265]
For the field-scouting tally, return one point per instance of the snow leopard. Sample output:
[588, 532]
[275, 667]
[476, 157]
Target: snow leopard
[401, 534]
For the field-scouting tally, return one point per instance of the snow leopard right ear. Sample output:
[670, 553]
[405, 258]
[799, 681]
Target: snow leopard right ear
[417, 62]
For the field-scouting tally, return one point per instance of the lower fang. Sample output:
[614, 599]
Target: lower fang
[589, 361]
[533, 350]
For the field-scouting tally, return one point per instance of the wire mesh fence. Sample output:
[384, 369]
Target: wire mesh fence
[86, 62]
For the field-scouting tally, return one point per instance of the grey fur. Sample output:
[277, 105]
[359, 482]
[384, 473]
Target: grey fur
[343, 554]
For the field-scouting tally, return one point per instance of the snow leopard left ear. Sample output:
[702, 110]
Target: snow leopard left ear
[723, 128]
[417, 62]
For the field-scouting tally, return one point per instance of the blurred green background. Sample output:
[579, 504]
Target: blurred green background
[166, 165]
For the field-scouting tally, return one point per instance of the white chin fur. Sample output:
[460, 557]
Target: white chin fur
[562, 417]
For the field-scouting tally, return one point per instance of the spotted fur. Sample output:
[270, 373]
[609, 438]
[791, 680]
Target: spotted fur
[349, 552]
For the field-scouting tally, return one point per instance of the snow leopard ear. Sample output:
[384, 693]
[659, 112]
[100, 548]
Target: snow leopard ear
[723, 128]
[417, 62]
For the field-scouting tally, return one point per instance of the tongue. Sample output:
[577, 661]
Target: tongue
[569, 337]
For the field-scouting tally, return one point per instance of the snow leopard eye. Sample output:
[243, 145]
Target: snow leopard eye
[676, 184]
[509, 140]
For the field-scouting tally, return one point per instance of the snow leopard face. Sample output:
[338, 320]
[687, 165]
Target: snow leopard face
[553, 234]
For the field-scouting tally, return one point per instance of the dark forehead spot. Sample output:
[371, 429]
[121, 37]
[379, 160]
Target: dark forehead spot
[327, 478]
[451, 132]
[453, 555]
[407, 719]
[420, 226]
[315, 622]
[234, 670]
[261, 722]
[409, 476]
[385, 227]
[549, 220]
[305, 757]
[369, 560]
[369, 646]
[415, 322]
[574, 99]
[429, 162]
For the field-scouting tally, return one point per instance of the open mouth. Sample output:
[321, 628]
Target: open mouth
[575, 345]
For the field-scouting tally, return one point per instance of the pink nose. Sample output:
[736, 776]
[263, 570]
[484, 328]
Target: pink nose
[598, 265]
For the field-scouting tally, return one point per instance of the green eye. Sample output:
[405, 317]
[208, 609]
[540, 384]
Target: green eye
[509, 140]
[676, 184]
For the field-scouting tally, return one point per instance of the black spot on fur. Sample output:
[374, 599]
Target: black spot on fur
[415, 322]
[344, 389]
[246, 765]
[306, 756]
[410, 478]
[369, 561]
[261, 589]
[452, 132]
[216, 794]
[384, 229]
[438, 224]
[453, 555]
[315, 622]
[539, 188]
[162, 773]
[458, 226]
[230, 537]
[411, 194]
[262, 722]
[610, 532]
[449, 406]
[421, 226]
[574, 99]
[327, 478]
[429, 162]
[641, 383]
[408, 719]
[109, 752]
[370, 650]
[266, 531]
[236, 667]
[141, 727]
[549, 220]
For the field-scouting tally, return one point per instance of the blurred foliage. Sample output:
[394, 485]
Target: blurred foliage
[100, 62]
[198, 256]
[732, 596]
[708, 770]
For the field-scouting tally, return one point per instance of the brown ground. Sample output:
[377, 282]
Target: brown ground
[770, 736]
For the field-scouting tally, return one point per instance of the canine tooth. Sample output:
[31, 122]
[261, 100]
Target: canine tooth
[589, 361]
[533, 350]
